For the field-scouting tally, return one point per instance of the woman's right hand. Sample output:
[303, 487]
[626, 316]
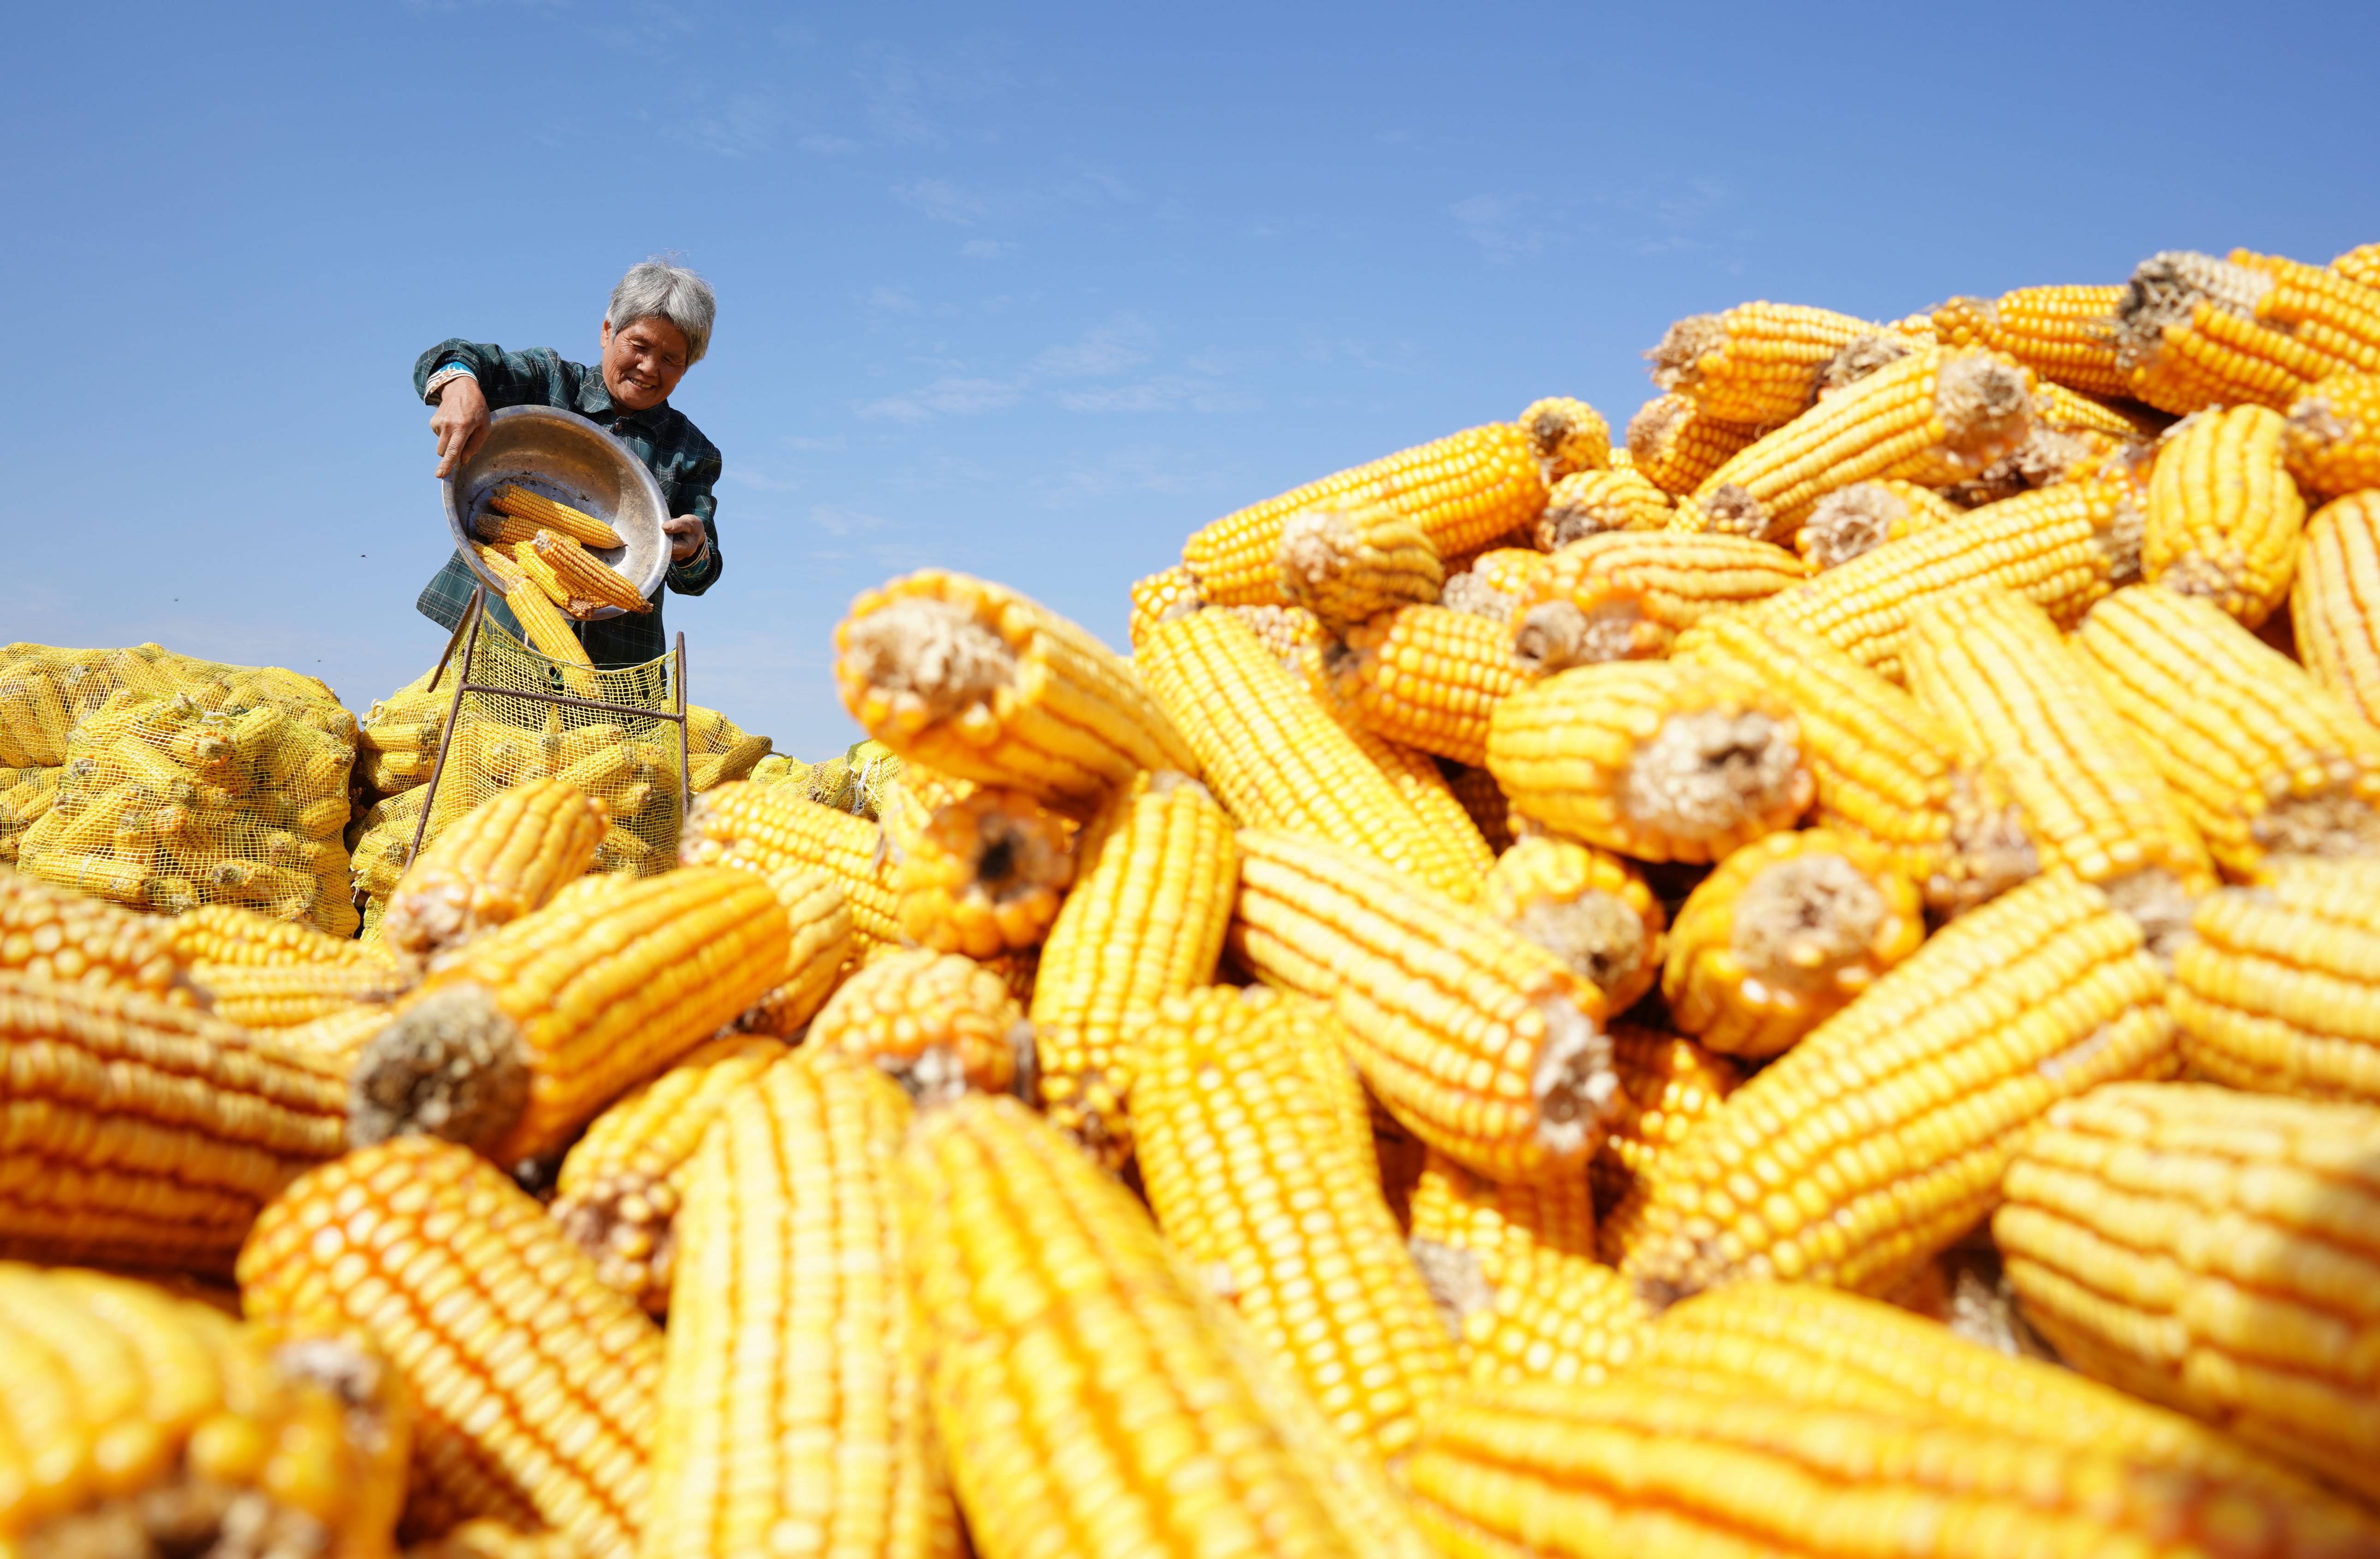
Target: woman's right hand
[459, 423]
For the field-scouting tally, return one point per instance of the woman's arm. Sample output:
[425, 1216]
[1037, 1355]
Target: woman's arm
[472, 376]
[698, 568]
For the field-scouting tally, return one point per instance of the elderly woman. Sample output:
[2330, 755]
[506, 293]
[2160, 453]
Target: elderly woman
[658, 326]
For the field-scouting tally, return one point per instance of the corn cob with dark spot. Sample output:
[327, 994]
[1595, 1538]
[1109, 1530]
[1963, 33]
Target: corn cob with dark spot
[1568, 437]
[1627, 596]
[980, 871]
[1673, 444]
[933, 1021]
[1587, 906]
[1593, 503]
[1852, 521]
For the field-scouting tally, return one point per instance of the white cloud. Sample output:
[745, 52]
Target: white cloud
[797, 441]
[945, 396]
[828, 145]
[938, 199]
[891, 299]
[1500, 224]
[1112, 347]
[836, 520]
[985, 248]
[896, 101]
[1166, 391]
[744, 126]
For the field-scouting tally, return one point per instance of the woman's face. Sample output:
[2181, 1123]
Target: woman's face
[643, 362]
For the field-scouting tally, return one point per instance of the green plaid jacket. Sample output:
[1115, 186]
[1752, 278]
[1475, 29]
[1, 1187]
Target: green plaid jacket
[682, 461]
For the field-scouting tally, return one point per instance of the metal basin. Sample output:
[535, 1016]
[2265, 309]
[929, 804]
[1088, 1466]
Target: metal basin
[572, 461]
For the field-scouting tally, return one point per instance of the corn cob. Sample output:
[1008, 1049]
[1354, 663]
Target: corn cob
[502, 859]
[1418, 779]
[148, 1424]
[558, 517]
[522, 1036]
[2335, 602]
[1756, 363]
[1468, 591]
[339, 1035]
[47, 933]
[488, 1538]
[985, 685]
[1464, 491]
[2265, 761]
[1050, 1315]
[933, 1021]
[2062, 548]
[1934, 417]
[284, 995]
[1594, 502]
[1859, 357]
[538, 571]
[1953, 1057]
[1667, 1087]
[824, 944]
[1508, 571]
[1483, 801]
[2194, 332]
[1587, 906]
[1852, 521]
[1627, 596]
[1427, 677]
[145, 1134]
[1787, 932]
[1637, 1467]
[1276, 758]
[733, 762]
[1481, 1231]
[765, 827]
[2071, 412]
[2331, 442]
[226, 933]
[498, 532]
[2025, 705]
[622, 1184]
[2222, 515]
[1550, 1316]
[981, 873]
[1256, 1181]
[2211, 1250]
[584, 577]
[1145, 921]
[534, 1381]
[1479, 1040]
[1674, 444]
[2067, 334]
[1293, 636]
[2273, 989]
[1347, 560]
[1654, 761]
[2359, 265]
[1160, 597]
[789, 1421]
[1567, 437]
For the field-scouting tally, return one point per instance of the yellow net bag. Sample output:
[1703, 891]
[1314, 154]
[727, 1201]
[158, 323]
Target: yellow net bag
[182, 782]
[25, 797]
[396, 741]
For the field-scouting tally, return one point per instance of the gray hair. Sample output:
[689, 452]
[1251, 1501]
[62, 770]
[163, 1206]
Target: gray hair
[655, 289]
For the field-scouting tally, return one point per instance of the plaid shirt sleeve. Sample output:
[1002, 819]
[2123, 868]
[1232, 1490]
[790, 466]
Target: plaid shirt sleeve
[537, 377]
[691, 493]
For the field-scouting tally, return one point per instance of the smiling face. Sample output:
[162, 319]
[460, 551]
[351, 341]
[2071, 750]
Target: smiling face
[643, 361]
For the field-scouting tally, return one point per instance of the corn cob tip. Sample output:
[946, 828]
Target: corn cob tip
[1557, 634]
[1707, 770]
[1989, 852]
[627, 1221]
[1684, 344]
[1566, 436]
[1858, 358]
[930, 659]
[2158, 903]
[2167, 288]
[1575, 1082]
[1457, 1281]
[1849, 522]
[1597, 935]
[450, 1067]
[1807, 916]
[1468, 593]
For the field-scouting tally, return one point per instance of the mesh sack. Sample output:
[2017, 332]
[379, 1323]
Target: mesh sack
[188, 782]
[25, 797]
[396, 741]
[719, 751]
[855, 782]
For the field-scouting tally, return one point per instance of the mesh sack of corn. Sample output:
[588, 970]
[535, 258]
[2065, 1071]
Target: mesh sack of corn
[718, 749]
[396, 741]
[186, 783]
[853, 783]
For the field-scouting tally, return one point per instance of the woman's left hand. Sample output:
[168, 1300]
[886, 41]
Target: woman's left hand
[684, 532]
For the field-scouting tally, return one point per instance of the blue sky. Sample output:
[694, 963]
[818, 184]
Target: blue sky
[1027, 291]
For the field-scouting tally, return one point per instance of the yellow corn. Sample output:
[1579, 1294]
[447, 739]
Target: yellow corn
[490, 1538]
[1667, 1087]
[2331, 441]
[2026, 706]
[823, 942]
[145, 1134]
[1566, 436]
[284, 995]
[2110, 1233]
[584, 577]
[1484, 802]
[1628, 596]
[1594, 502]
[1936, 416]
[142, 1424]
[339, 1035]
[1417, 778]
[551, 635]
[2061, 547]
[1275, 757]
[1587, 906]
[520, 1038]
[1550, 1316]
[1258, 1182]
[500, 860]
[736, 762]
[1635, 1467]
[558, 517]
[764, 827]
[229, 933]
[1467, 1231]
[2069, 411]
[49, 933]
[1756, 363]
[2223, 515]
[2335, 602]
[1464, 491]
[2065, 334]
[2360, 264]
[539, 572]
[2265, 762]
[2274, 988]
[1787, 932]
[622, 1184]
[2194, 332]
[790, 1422]
[534, 1381]
[1479, 1040]
[934, 1021]
[1145, 921]
[1293, 636]
[1673, 444]
[1508, 571]
[1161, 596]
[1427, 677]
[984, 685]
[1852, 521]
[1347, 560]
[1953, 1057]
[980, 873]
[1656, 761]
